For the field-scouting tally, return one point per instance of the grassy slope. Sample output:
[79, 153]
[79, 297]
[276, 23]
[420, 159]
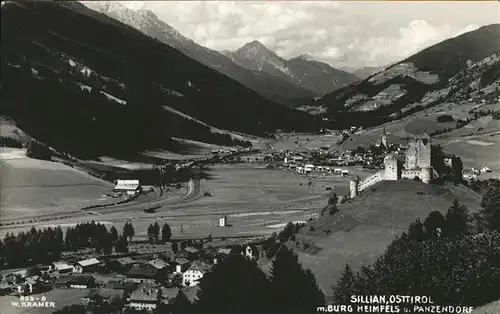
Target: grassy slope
[29, 185]
[363, 228]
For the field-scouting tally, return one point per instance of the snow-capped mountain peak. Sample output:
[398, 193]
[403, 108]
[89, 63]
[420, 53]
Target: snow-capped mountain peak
[139, 18]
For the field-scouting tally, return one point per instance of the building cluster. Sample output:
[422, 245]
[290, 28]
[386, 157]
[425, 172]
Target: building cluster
[416, 165]
[136, 279]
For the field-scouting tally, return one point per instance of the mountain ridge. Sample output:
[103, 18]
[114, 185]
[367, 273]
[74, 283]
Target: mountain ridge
[271, 87]
[303, 70]
[117, 79]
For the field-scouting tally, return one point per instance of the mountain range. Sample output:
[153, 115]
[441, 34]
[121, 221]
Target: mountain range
[309, 74]
[383, 95]
[253, 65]
[101, 85]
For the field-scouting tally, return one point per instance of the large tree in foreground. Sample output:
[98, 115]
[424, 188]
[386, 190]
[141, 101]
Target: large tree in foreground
[235, 285]
[294, 289]
[345, 286]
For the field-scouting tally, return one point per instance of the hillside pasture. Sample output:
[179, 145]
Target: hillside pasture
[305, 141]
[364, 227]
[35, 187]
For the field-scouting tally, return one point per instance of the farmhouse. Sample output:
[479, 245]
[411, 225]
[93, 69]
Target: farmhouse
[192, 252]
[87, 265]
[194, 273]
[30, 285]
[75, 282]
[144, 298]
[106, 295]
[142, 274]
[158, 263]
[181, 265]
[130, 187]
[122, 265]
[62, 267]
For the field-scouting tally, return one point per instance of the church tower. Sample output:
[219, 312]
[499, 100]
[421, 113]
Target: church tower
[384, 139]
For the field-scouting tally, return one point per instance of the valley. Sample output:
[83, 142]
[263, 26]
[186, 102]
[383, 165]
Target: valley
[231, 152]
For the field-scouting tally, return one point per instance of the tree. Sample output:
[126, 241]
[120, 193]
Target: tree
[286, 233]
[333, 199]
[151, 235]
[490, 204]
[182, 305]
[416, 231]
[113, 233]
[128, 231]
[121, 245]
[175, 247]
[166, 233]
[294, 289]
[345, 286]
[457, 219]
[435, 221]
[235, 285]
[156, 231]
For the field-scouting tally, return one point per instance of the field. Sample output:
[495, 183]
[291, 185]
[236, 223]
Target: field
[305, 141]
[256, 200]
[363, 228]
[478, 144]
[31, 186]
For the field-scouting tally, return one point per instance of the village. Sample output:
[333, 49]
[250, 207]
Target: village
[148, 275]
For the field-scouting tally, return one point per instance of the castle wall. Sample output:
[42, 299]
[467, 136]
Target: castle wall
[371, 180]
[424, 174]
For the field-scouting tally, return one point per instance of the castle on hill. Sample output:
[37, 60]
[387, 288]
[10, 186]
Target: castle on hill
[417, 164]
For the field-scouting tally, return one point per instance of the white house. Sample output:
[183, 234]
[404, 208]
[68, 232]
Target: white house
[485, 169]
[195, 272]
[222, 221]
[298, 158]
[130, 187]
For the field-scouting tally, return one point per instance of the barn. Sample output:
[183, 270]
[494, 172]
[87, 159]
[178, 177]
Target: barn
[130, 187]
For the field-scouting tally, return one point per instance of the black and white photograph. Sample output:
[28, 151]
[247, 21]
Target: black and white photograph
[249, 157]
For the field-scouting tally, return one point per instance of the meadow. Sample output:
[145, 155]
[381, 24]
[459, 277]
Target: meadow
[31, 187]
[365, 226]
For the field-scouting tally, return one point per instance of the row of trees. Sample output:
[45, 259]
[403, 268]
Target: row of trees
[154, 232]
[32, 247]
[454, 258]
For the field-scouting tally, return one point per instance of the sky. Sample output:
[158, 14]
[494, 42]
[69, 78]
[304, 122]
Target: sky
[343, 34]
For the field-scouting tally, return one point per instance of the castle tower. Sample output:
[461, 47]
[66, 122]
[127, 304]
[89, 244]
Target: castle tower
[353, 187]
[391, 168]
[384, 139]
[424, 152]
